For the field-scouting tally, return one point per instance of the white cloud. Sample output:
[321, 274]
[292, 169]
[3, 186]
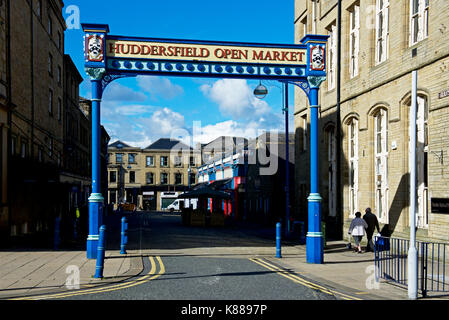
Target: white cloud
[117, 92]
[235, 99]
[159, 87]
[233, 128]
[164, 122]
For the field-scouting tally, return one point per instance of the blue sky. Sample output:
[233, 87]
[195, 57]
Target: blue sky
[139, 111]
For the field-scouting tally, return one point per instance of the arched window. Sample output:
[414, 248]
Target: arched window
[332, 161]
[381, 164]
[353, 159]
[422, 133]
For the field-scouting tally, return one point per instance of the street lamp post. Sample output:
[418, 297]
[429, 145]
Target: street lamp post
[261, 92]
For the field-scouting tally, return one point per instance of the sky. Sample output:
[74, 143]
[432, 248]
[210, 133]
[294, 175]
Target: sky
[140, 110]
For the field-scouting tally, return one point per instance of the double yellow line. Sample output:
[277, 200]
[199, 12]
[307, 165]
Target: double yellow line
[150, 276]
[295, 278]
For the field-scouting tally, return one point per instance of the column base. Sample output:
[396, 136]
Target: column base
[314, 248]
[95, 222]
[92, 246]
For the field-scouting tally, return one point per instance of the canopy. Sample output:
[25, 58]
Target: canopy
[205, 192]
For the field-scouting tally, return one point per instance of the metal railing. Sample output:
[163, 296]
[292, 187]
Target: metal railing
[391, 263]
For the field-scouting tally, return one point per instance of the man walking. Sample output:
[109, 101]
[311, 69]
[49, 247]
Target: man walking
[372, 222]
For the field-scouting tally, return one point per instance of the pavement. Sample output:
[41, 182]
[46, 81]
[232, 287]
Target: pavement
[32, 272]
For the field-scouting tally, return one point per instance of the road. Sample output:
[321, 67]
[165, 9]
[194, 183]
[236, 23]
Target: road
[194, 263]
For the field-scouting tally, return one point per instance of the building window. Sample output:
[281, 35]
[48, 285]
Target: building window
[178, 161]
[112, 176]
[382, 30]
[59, 109]
[164, 161]
[50, 65]
[40, 154]
[132, 177]
[332, 54]
[354, 41]
[50, 147]
[164, 178]
[353, 152]
[178, 178]
[39, 9]
[304, 26]
[119, 158]
[422, 150]
[150, 161]
[23, 148]
[50, 26]
[192, 178]
[131, 158]
[59, 40]
[59, 76]
[192, 161]
[381, 164]
[304, 133]
[13, 146]
[419, 20]
[149, 177]
[50, 102]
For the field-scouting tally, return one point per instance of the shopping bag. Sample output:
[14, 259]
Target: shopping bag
[382, 244]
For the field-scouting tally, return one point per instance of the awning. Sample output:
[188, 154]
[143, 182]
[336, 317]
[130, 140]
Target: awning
[222, 184]
[205, 192]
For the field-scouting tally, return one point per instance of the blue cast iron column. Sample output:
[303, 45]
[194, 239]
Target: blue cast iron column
[287, 165]
[314, 241]
[96, 199]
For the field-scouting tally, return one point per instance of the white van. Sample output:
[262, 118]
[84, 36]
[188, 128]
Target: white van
[182, 203]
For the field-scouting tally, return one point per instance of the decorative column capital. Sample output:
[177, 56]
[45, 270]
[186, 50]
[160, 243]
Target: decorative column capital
[96, 197]
[96, 73]
[315, 82]
[314, 197]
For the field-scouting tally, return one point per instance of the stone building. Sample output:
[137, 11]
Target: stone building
[36, 52]
[254, 174]
[150, 178]
[5, 105]
[366, 115]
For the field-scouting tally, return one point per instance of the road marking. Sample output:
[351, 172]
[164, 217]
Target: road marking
[297, 279]
[150, 276]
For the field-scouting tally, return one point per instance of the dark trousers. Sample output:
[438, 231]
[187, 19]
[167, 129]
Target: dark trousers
[370, 245]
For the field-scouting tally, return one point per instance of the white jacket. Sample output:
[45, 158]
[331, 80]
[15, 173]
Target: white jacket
[357, 227]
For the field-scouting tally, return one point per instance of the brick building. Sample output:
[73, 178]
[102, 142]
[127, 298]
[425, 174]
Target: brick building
[382, 42]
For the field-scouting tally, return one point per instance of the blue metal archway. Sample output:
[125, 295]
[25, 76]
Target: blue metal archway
[108, 57]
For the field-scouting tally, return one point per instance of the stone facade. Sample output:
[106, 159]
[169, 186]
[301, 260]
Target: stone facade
[4, 106]
[380, 87]
[132, 181]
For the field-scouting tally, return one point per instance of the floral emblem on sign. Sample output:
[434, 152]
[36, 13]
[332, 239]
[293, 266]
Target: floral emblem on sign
[317, 58]
[95, 48]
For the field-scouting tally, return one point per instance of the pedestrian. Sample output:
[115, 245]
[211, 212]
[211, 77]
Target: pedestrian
[372, 222]
[357, 230]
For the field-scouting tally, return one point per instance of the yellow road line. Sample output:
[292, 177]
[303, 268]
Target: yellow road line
[300, 280]
[150, 276]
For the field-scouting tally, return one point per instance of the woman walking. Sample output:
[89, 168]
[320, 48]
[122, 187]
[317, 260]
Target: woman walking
[357, 230]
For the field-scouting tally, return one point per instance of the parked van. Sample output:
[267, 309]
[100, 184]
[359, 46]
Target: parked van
[178, 204]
